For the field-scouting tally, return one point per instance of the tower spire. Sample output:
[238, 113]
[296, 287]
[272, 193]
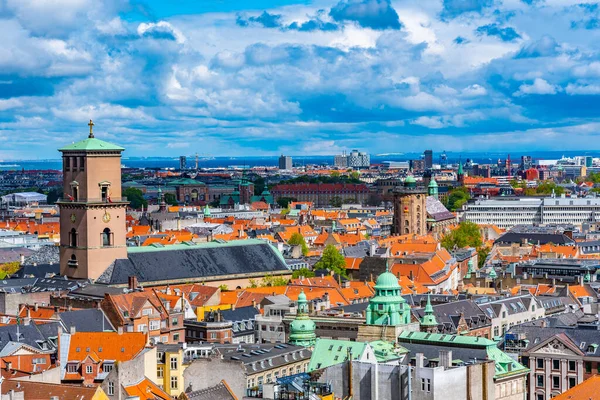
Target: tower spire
[91, 125]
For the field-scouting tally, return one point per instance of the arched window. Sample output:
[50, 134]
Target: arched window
[195, 195]
[106, 237]
[73, 238]
[72, 261]
[406, 222]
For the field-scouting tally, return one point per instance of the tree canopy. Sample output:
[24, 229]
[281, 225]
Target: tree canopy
[135, 197]
[466, 235]
[305, 272]
[332, 260]
[456, 198]
[170, 199]
[298, 240]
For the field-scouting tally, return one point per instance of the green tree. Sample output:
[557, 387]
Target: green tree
[456, 198]
[170, 199]
[252, 283]
[355, 175]
[335, 174]
[9, 268]
[482, 254]
[284, 202]
[223, 288]
[305, 272]
[298, 240]
[135, 197]
[546, 188]
[259, 184]
[466, 235]
[270, 280]
[335, 201]
[332, 260]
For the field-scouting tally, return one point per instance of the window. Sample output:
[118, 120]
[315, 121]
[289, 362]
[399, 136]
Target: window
[540, 381]
[213, 335]
[72, 261]
[147, 311]
[73, 238]
[111, 388]
[556, 382]
[176, 337]
[154, 325]
[159, 356]
[571, 365]
[540, 363]
[540, 397]
[175, 321]
[174, 382]
[89, 369]
[106, 237]
[426, 385]
[107, 367]
[160, 372]
[141, 328]
[173, 363]
[39, 361]
[572, 382]
[72, 368]
[269, 378]
[556, 364]
[588, 367]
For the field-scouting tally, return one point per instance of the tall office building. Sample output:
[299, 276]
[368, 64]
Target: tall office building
[285, 162]
[182, 162]
[526, 162]
[356, 159]
[428, 154]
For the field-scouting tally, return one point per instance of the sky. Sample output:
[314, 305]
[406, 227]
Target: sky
[299, 77]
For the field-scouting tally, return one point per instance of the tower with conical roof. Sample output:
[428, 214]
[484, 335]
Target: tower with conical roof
[92, 211]
[428, 321]
[206, 211]
[302, 328]
[460, 175]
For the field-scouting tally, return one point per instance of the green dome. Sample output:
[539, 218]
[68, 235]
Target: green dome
[302, 328]
[410, 179]
[302, 297]
[433, 183]
[206, 211]
[387, 281]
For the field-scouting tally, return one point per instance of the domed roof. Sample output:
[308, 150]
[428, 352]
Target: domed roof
[387, 280]
[410, 179]
[302, 326]
[433, 183]
[302, 297]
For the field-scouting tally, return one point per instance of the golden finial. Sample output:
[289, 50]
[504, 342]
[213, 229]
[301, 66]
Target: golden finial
[91, 125]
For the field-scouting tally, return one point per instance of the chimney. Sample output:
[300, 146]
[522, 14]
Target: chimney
[132, 282]
[120, 330]
[22, 259]
[35, 306]
[8, 365]
[446, 358]
[419, 360]
[72, 330]
[233, 307]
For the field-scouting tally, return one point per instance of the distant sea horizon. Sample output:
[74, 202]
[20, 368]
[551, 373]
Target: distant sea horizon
[269, 161]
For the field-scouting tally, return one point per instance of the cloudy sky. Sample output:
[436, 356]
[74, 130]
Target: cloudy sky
[262, 77]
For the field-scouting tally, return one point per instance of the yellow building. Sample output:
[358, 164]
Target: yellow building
[170, 364]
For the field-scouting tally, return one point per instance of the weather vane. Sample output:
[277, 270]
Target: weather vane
[91, 125]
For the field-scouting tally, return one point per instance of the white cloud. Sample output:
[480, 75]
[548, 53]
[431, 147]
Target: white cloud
[7, 104]
[539, 86]
[574, 89]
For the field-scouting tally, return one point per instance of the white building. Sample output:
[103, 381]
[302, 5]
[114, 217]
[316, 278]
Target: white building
[506, 213]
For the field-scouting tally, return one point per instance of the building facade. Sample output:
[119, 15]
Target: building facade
[410, 210]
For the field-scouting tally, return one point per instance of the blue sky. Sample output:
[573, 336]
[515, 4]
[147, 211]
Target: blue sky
[264, 77]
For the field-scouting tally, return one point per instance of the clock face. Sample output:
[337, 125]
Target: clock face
[73, 218]
[106, 217]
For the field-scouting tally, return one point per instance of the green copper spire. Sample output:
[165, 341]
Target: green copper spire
[587, 278]
[493, 274]
[206, 211]
[387, 307]
[470, 270]
[302, 329]
[433, 188]
[460, 168]
[428, 319]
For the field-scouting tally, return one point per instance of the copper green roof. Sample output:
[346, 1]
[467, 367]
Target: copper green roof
[92, 144]
[185, 181]
[429, 317]
[328, 352]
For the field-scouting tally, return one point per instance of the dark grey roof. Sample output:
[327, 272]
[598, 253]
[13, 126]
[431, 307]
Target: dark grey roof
[448, 315]
[259, 357]
[87, 320]
[240, 314]
[38, 271]
[45, 255]
[93, 291]
[535, 332]
[432, 351]
[217, 392]
[32, 334]
[195, 263]
[535, 238]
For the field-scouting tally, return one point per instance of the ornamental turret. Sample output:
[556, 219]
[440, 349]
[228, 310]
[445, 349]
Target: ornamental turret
[302, 328]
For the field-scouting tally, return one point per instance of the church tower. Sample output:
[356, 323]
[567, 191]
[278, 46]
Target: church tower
[92, 212]
[429, 322]
[410, 213]
[302, 329]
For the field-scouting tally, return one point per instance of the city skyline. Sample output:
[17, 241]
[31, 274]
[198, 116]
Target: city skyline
[299, 77]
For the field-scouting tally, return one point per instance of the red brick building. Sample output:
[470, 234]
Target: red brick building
[322, 194]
